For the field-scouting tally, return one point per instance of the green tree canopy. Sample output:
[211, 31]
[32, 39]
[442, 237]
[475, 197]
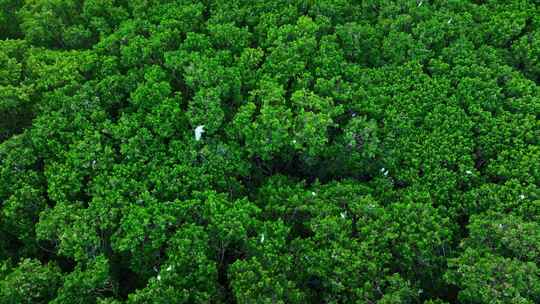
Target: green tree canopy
[286, 151]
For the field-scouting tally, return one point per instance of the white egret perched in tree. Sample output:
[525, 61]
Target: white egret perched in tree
[199, 130]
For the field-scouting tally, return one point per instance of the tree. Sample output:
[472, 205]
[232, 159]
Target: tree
[284, 151]
[30, 282]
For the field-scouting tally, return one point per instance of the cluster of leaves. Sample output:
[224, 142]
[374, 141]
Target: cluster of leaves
[379, 151]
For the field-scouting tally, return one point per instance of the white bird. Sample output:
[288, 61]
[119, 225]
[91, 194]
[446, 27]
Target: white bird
[420, 3]
[313, 193]
[468, 172]
[169, 268]
[199, 130]
[262, 238]
[343, 215]
[159, 277]
[522, 196]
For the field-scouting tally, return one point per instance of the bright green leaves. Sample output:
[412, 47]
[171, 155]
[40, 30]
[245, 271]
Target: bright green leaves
[17, 165]
[526, 52]
[360, 43]
[420, 239]
[330, 60]
[248, 63]
[361, 137]
[343, 256]
[88, 283]
[30, 282]
[102, 16]
[276, 129]
[216, 231]
[156, 106]
[506, 235]
[205, 69]
[52, 69]
[282, 199]
[43, 21]
[506, 24]
[255, 283]
[67, 23]
[400, 47]
[412, 238]
[229, 37]
[144, 229]
[315, 117]
[11, 71]
[70, 227]
[180, 16]
[51, 24]
[399, 290]
[291, 46]
[338, 267]
[20, 211]
[205, 109]
[21, 196]
[499, 261]
[487, 278]
[64, 184]
[153, 91]
[348, 150]
[189, 254]
[512, 196]
[16, 105]
[188, 275]
[76, 188]
[229, 224]
[265, 131]
[266, 276]
[166, 118]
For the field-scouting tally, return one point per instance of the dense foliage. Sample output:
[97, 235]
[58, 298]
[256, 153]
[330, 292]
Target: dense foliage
[370, 151]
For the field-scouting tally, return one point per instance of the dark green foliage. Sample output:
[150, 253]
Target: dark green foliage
[30, 282]
[9, 19]
[333, 151]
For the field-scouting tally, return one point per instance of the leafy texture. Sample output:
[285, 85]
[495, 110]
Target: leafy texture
[287, 151]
